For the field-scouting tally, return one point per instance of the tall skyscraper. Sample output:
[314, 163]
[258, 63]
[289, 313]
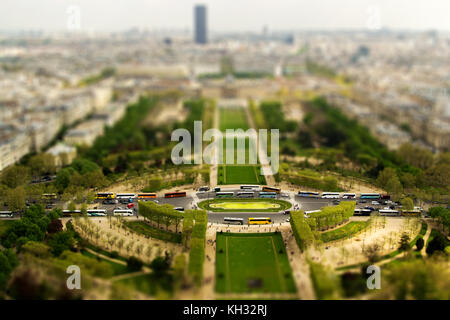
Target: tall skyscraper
[200, 24]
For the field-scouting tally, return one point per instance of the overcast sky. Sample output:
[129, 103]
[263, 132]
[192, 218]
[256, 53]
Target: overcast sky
[227, 15]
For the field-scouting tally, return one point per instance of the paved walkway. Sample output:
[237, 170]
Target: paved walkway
[425, 239]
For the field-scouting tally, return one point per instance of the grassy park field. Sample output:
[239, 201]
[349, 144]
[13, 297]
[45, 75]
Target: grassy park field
[244, 205]
[233, 119]
[252, 263]
[240, 174]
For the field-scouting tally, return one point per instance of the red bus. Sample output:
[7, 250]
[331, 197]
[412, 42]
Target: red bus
[146, 195]
[175, 195]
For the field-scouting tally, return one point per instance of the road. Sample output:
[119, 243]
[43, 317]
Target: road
[189, 202]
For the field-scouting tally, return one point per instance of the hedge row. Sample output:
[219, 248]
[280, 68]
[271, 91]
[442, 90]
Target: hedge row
[329, 217]
[302, 232]
[197, 244]
[161, 214]
[326, 184]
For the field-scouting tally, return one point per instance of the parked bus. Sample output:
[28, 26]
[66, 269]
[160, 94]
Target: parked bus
[245, 195]
[370, 196]
[6, 214]
[229, 220]
[224, 194]
[270, 189]
[175, 195]
[330, 195]
[411, 213]
[362, 212]
[49, 196]
[259, 221]
[125, 195]
[349, 196]
[388, 212]
[123, 212]
[142, 196]
[308, 194]
[271, 195]
[105, 195]
[96, 212]
[250, 187]
[69, 213]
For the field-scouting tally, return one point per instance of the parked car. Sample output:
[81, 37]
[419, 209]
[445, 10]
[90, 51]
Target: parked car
[179, 208]
[217, 189]
[362, 201]
[369, 208]
[287, 212]
[284, 195]
[375, 203]
[336, 201]
[130, 205]
[288, 219]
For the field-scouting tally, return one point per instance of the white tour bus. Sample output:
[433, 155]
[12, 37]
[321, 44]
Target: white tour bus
[330, 195]
[250, 187]
[125, 195]
[96, 212]
[349, 196]
[233, 220]
[6, 214]
[389, 212]
[123, 213]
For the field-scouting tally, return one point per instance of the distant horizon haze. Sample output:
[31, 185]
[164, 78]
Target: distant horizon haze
[226, 16]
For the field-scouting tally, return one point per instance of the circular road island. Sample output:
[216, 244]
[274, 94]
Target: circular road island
[244, 205]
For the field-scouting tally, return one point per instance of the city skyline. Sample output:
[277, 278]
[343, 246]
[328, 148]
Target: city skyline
[249, 16]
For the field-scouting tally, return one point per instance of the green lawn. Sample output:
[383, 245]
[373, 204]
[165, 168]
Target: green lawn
[240, 174]
[232, 119]
[244, 205]
[150, 283]
[117, 268]
[346, 231]
[252, 262]
[152, 232]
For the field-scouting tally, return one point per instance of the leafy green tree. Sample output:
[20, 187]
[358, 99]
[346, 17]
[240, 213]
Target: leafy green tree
[394, 187]
[419, 244]
[159, 266]
[408, 180]
[134, 264]
[407, 203]
[15, 176]
[384, 176]
[60, 242]
[438, 243]
[16, 199]
[72, 207]
[41, 164]
[404, 242]
[8, 261]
